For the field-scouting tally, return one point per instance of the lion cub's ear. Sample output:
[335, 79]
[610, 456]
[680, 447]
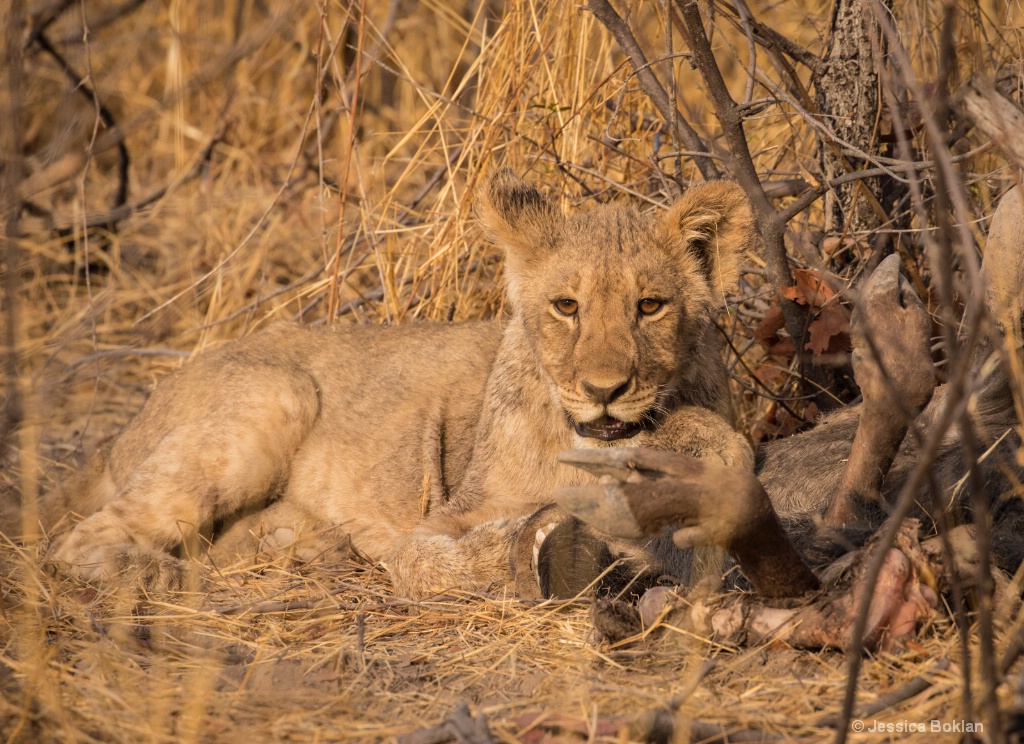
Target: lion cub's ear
[516, 217]
[713, 223]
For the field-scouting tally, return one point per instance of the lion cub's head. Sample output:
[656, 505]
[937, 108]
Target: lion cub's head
[617, 304]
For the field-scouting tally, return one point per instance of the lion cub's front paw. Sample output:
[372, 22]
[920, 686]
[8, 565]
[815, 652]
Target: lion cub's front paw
[153, 570]
[100, 549]
[90, 551]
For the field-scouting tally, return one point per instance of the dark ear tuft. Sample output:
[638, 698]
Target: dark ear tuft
[713, 223]
[511, 198]
[516, 216]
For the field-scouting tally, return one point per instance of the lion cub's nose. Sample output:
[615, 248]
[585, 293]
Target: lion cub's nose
[605, 393]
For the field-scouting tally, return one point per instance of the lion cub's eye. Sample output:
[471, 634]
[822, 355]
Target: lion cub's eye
[566, 306]
[649, 306]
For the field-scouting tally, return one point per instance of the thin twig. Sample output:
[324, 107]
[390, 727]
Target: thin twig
[124, 211]
[80, 84]
[684, 133]
[117, 353]
[104, 19]
[901, 694]
[948, 184]
[770, 39]
[907, 497]
[950, 199]
[744, 14]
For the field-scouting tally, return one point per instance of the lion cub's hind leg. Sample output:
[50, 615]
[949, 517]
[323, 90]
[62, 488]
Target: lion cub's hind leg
[214, 440]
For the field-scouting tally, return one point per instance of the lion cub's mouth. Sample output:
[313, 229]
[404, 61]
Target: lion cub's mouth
[608, 429]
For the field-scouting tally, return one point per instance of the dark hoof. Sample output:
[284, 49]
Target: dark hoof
[570, 560]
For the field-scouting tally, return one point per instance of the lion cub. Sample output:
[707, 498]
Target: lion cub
[430, 445]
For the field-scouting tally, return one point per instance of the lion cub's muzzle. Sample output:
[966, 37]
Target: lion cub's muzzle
[603, 402]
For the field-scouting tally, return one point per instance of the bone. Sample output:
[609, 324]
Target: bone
[901, 600]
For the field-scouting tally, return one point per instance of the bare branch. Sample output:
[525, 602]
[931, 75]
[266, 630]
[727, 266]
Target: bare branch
[71, 164]
[683, 132]
[79, 84]
[769, 38]
[771, 227]
[744, 13]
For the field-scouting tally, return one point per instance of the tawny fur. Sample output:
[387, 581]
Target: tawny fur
[429, 445]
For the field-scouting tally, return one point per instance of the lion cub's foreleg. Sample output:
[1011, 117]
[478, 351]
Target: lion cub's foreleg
[192, 456]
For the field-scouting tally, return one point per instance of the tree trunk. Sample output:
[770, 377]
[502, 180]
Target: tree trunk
[847, 91]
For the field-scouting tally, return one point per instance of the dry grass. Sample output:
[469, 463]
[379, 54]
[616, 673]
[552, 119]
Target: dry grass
[303, 181]
[328, 654]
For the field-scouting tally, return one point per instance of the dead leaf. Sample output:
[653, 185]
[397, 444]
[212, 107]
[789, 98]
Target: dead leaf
[768, 335]
[810, 288]
[812, 413]
[829, 332]
[776, 424]
[769, 373]
[770, 325]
